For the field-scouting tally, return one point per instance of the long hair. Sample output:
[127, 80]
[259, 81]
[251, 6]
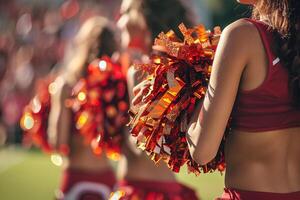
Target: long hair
[284, 18]
[159, 15]
[95, 38]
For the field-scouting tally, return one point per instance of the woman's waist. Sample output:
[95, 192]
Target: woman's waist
[148, 171]
[263, 160]
[262, 176]
[88, 161]
[277, 148]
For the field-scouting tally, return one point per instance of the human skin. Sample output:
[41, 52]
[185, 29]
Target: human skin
[256, 161]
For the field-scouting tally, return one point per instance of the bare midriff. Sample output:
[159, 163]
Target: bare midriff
[263, 161]
[82, 157]
[142, 168]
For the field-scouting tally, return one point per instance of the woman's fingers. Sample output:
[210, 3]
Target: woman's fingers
[140, 86]
[140, 90]
[136, 89]
[138, 98]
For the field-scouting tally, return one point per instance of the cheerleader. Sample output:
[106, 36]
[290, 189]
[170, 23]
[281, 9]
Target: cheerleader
[254, 83]
[85, 175]
[141, 179]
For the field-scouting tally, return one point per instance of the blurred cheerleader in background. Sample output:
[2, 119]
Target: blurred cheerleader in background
[140, 22]
[86, 175]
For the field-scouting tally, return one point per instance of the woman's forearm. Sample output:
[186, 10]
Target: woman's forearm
[194, 131]
[200, 150]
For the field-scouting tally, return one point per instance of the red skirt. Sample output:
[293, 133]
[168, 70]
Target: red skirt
[234, 194]
[82, 185]
[153, 190]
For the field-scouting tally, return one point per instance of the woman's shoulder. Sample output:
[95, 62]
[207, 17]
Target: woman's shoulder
[244, 25]
[241, 34]
[240, 29]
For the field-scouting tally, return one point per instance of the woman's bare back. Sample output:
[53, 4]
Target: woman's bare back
[82, 156]
[264, 161]
[142, 168]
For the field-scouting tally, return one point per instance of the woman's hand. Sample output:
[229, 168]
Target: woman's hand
[140, 91]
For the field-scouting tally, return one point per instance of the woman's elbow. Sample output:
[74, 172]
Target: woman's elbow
[201, 150]
[203, 156]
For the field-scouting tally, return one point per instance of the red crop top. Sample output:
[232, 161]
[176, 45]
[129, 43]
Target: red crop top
[269, 106]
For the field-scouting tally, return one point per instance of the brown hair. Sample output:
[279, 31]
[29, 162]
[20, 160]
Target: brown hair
[284, 18]
[160, 15]
[94, 39]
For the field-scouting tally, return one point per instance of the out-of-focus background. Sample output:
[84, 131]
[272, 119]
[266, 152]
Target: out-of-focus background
[33, 36]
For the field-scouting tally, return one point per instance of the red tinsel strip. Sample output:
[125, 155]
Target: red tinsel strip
[100, 104]
[179, 76]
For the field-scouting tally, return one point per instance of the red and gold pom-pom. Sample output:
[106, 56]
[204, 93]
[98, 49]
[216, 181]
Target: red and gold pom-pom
[179, 77]
[100, 104]
[34, 120]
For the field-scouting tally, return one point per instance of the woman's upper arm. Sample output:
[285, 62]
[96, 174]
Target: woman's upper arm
[230, 60]
[60, 116]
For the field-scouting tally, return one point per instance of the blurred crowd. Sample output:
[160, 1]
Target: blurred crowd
[33, 36]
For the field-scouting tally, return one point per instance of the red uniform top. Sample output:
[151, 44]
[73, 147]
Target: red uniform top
[269, 106]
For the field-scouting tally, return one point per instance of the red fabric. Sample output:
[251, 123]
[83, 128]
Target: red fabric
[268, 107]
[234, 194]
[153, 190]
[71, 177]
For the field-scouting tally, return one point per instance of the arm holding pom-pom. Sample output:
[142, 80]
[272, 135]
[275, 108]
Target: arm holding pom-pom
[99, 102]
[207, 128]
[164, 115]
[34, 120]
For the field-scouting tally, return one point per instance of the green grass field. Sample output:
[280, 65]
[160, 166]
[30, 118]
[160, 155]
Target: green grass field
[30, 175]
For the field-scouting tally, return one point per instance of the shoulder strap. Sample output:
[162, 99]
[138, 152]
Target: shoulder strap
[266, 37]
